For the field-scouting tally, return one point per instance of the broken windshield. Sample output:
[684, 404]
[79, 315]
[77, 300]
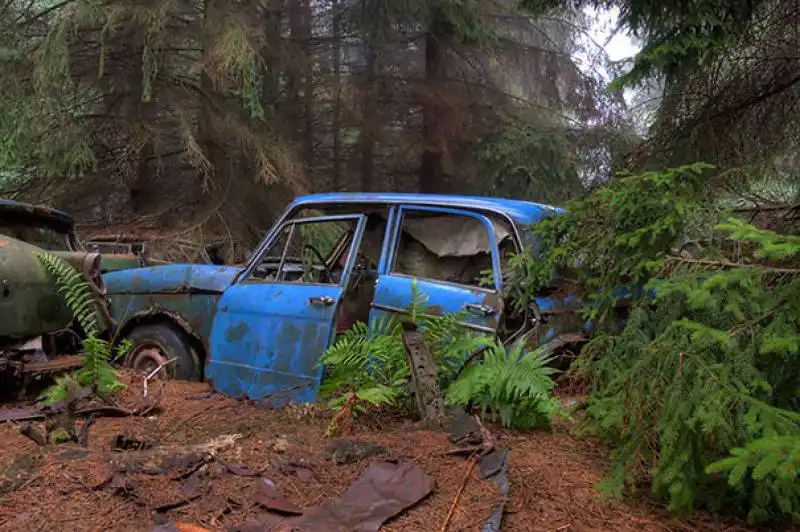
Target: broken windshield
[36, 233]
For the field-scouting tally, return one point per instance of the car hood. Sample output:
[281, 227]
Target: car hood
[171, 279]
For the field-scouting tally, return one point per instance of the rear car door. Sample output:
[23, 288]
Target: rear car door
[274, 324]
[452, 257]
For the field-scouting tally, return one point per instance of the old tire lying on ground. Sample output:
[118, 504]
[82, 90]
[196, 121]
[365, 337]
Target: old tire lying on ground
[157, 343]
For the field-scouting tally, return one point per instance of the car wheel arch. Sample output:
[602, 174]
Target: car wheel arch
[163, 317]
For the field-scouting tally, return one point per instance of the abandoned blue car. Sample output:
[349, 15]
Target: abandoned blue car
[329, 261]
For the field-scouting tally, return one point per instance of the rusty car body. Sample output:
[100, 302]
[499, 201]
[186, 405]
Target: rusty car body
[34, 319]
[123, 249]
[330, 260]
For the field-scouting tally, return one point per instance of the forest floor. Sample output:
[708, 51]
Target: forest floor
[551, 475]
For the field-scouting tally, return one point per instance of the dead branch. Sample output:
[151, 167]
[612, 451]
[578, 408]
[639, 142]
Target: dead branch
[727, 264]
[464, 483]
[154, 372]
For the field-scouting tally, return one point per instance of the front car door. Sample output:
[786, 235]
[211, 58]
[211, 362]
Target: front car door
[276, 321]
[452, 257]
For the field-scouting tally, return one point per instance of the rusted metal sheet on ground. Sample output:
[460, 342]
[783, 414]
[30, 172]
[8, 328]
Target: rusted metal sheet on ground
[494, 466]
[382, 492]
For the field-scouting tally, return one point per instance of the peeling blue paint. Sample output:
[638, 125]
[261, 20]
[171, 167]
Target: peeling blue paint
[171, 278]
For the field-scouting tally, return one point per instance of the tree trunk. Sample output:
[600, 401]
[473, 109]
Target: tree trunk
[430, 172]
[210, 142]
[337, 95]
[308, 82]
[270, 55]
[293, 113]
[368, 119]
[424, 377]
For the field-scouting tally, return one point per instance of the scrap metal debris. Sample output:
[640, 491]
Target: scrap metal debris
[183, 460]
[384, 490]
[120, 442]
[241, 470]
[268, 496]
[179, 527]
[298, 468]
[495, 466]
[192, 488]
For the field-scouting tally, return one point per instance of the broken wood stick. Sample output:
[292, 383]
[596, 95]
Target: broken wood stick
[424, 377]
[488, 440]
[83, 436]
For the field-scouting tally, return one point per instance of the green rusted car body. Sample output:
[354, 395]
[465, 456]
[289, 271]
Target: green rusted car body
[34, 318]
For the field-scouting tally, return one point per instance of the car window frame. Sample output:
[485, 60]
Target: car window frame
[247, 274]
[488, 225]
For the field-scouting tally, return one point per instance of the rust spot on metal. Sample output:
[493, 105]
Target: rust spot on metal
[234, 334]
[434, 310]
[59, 364]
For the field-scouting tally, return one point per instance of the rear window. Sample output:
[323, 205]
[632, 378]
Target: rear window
[36, 232]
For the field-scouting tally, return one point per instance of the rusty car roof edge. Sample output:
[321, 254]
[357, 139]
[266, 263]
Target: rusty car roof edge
[41, 211]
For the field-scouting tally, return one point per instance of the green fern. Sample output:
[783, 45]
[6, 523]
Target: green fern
[515, 386]
[75, 290]
[368, 360]
[97, 370]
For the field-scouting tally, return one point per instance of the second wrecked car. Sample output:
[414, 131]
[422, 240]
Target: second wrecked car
[34, 319]
[329, 261]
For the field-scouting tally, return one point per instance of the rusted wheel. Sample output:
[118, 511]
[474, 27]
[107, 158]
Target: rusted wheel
[157, 343]
[145, 359]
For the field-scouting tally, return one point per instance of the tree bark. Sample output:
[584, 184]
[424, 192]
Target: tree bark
[270, 55]
[368, 110]
[308, 81]
[430, 172]
[337, 96]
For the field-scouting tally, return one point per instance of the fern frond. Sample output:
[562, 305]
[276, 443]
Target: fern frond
[97, 370]
[515, 386]
[75, 290]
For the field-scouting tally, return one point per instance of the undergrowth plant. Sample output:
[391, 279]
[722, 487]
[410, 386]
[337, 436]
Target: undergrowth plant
[699, 395]
[97, 370]
[367, 366]
[515, 387]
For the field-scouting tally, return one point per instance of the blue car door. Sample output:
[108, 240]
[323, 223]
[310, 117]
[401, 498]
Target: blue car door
[275, 322]
[452, 257]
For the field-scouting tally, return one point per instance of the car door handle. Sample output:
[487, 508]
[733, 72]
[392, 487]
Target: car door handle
[480, 310]
[321, 300]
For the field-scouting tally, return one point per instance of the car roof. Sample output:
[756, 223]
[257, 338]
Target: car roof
[41, 213]
[521, 212]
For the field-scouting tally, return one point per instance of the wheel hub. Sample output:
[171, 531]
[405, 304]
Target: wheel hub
[146, 359]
